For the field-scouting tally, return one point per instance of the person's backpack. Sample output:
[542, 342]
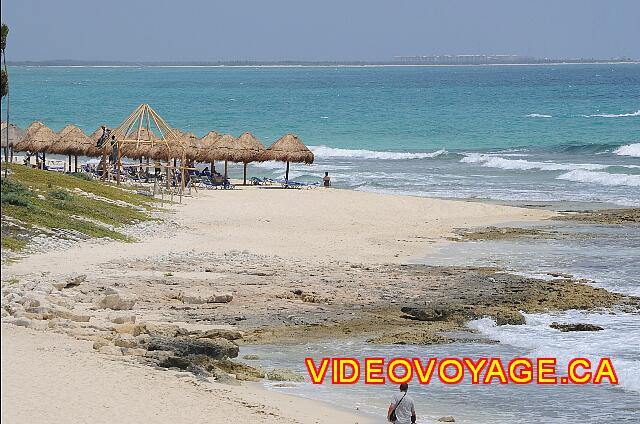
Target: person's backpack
[393, 417]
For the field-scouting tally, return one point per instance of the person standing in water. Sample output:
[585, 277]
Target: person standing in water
[401, 409]
[326, 180]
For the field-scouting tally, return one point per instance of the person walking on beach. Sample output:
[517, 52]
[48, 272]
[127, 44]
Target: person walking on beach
[401, 409]
[326, 180]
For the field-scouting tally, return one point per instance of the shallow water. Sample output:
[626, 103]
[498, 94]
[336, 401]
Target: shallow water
[606, 254]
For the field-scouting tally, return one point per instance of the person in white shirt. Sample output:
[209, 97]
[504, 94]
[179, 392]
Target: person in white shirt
[402, 406]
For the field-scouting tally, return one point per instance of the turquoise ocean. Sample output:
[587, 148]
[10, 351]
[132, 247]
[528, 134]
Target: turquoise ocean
[567, 136]
[531, 133]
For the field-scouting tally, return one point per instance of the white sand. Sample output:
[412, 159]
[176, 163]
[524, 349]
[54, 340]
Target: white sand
[53, 378]
[50, 378]
[319, 223]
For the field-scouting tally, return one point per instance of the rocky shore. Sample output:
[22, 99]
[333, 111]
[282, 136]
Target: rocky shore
[193, 311]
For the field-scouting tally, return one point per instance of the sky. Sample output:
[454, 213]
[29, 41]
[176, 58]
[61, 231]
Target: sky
[341, 30]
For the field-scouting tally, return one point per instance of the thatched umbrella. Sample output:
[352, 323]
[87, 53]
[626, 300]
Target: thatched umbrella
[15, 134]
[206, 149]
[289, 148]
[251, 150]
[225, 148]
[191, 144]
[72, 141]
[37, 139]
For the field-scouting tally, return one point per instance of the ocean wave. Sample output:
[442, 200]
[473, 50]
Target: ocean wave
[612, 115]
[542, 341]
[628, 150]
[332, 152]
[601, 178]
[538, 115]
[491, 161]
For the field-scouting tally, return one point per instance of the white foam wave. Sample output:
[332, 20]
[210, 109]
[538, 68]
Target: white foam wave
[541, 340]
[628, 150]
[601, 178]
[332, 152]
[538, 115]
[492, 161]
[613, 115]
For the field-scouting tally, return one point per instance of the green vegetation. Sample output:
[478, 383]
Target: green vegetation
[36, 202]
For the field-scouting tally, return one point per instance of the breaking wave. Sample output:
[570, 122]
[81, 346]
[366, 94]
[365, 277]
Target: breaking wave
[601, 178]
[613, 115]
[332, 152]
[525, 165]
[538, 115]
[628, 150]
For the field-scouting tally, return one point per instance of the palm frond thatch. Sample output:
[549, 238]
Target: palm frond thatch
[289, 148]
[38, 138]
[251, 150]
[16, 134]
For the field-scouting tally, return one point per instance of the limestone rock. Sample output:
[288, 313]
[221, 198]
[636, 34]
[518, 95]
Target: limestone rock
[284, 374]
[199, 297]
[124, 319]
[116, 302]
[63, 313]
[164, 330]
[506, 317]
[575, 327]
[242, 371]
[448, 419]
[220, 332]
[20, 322]
[429, 313]
[126, 340]
[185, 346]
[100, 343]
[134, 351]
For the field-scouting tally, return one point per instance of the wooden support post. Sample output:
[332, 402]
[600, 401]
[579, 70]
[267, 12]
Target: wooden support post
[119, 164]
[286, 175]
[245, 174]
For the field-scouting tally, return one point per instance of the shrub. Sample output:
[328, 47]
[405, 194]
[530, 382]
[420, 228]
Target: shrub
[60, 194]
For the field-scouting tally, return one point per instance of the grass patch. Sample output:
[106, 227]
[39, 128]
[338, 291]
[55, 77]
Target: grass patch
[12, 243]
[46, 180]
[43, 199]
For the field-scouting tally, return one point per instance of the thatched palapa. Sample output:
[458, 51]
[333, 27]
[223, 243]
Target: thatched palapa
[71, 141]
[251, 150]
[16, 134]
[37, 139]
[287, 149]
[206, 147]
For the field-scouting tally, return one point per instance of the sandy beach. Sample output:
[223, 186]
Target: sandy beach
[251, 265]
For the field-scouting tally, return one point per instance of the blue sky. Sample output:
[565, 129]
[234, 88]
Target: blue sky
[210, 30]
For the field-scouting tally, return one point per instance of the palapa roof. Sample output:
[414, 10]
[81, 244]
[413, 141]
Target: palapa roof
[191, 144]
[205, 151]
[71, 141]
[15, 134]
[289, 148]
[226, 148]
[251, 150]
[38, 138]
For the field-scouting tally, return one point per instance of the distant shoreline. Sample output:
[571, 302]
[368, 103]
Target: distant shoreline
[299, 65]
